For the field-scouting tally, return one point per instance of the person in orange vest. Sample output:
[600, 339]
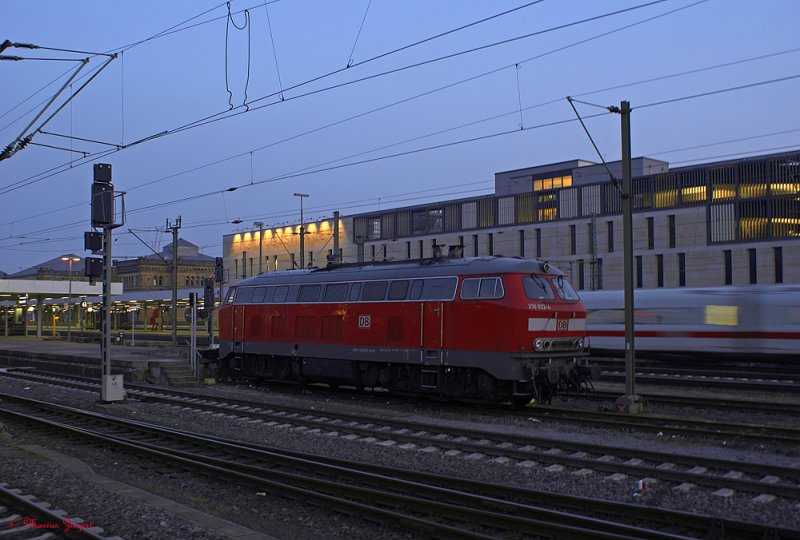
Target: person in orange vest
[153, 320]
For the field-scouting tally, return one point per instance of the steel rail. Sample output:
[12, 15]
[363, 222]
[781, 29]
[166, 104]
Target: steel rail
[43, 514]
[461, 506]
[458, 439]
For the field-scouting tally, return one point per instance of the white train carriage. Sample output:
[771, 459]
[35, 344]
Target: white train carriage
[743, 321]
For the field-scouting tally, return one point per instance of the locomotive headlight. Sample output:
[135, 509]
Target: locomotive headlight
[538, 345]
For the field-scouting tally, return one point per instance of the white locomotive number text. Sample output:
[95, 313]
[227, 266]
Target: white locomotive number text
[538, 306]
[364, 321]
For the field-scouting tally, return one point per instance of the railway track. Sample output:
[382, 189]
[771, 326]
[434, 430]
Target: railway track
[686, 472]
[668, 425]
[436, 506]
[24, 517]
[750, 376]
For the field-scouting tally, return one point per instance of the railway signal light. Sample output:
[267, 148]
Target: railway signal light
[208, 295]
[93, 267]
[219, 269]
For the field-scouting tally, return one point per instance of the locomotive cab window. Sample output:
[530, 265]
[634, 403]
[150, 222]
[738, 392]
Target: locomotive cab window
[537, 288]
[565, 290]
[245, 295]
[230, 296]
[269, 295]
[483, 288]
[258, 295]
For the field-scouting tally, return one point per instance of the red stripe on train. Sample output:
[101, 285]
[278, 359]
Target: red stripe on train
[697, 334]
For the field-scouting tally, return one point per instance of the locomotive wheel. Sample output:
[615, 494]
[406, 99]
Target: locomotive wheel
[485, 385]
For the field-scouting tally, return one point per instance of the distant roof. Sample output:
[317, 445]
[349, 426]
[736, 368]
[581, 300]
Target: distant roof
[53, 265]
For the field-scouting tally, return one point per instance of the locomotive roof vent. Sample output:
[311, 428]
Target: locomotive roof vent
[453, 252]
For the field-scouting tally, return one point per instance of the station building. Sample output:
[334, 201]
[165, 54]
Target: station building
[41, 299]
[732, 222]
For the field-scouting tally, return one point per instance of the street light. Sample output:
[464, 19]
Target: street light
[70, 259]
[260, 225]
[302, 230]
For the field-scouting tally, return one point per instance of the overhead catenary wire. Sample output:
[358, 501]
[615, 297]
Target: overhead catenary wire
[602, 159]
[223, 115]
[391, 156]
[274, 50]
[358, 35]
[246, 25]
[639, 107]
[217, 117]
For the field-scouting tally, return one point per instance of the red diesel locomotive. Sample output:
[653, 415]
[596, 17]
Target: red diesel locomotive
[490, 328]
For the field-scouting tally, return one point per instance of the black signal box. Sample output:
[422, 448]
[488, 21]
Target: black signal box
[102, 173]
[93, 241]
[93, 267]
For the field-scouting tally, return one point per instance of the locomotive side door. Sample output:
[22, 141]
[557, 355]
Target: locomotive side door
[237, 327]
[432, 333]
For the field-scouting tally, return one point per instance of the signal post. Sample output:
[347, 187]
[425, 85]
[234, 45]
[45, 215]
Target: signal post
[102, 217]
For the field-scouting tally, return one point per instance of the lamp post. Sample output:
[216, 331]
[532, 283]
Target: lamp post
[260, 225]
[69, 259]
[302, 230]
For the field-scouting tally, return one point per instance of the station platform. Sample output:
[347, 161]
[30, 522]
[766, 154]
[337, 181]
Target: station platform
[158, 365]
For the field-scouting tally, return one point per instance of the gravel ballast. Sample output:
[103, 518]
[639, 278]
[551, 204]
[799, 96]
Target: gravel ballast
[282, 517]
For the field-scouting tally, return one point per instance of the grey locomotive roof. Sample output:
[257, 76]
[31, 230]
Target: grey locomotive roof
[404, 270]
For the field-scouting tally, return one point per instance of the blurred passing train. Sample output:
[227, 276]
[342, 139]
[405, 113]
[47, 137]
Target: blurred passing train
[490, 329]
[747, 322]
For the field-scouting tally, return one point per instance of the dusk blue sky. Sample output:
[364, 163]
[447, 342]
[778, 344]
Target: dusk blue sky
[169, 82]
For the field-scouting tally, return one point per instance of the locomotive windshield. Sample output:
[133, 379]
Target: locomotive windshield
[565, 290]
[537, 288]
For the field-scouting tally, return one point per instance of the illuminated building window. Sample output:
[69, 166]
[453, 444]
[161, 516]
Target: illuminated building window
[374, 228]
[723, 192]
[750, 191]
[556, 182]
[693, 194]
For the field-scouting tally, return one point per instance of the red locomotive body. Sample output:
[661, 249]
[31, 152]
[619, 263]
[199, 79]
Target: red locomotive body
[490, 328]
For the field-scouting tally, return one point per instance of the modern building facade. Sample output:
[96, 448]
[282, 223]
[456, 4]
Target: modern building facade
[733, 222]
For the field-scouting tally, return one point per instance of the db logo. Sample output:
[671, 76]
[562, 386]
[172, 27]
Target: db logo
[364, 321]
[562, 324]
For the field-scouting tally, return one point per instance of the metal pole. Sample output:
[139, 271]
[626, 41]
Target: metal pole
[336, 236]
[106, 309]
[69, 304]
[193, 342]
[630, 402]
[260, 226]
[175, 228]
[302, 230]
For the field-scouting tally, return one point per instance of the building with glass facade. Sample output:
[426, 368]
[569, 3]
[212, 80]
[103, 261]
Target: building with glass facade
[733, 222]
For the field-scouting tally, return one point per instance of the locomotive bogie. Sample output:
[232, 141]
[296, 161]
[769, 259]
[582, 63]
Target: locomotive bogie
[465, 328]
